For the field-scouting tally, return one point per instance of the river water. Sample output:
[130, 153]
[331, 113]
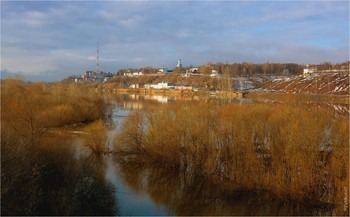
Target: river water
[131, 202]
[153, 191]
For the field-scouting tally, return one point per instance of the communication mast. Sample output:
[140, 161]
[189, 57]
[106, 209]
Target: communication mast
[98, 60]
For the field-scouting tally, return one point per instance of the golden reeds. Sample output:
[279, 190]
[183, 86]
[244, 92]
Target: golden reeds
[40, 174]
[289, 151]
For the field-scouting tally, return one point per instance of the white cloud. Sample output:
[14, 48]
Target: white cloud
[183, 33]
[35, 19]
[108, 15]
[91, 57]
[28, 65]
[62, 36]
[131, 22]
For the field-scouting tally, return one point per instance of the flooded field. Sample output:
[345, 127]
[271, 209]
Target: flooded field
[169, 170]
[179, 155]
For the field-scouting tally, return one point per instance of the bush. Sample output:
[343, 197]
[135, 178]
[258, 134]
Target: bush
[289, 151]
[40, 174]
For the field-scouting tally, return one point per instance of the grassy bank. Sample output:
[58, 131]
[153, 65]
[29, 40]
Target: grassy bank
[343, 99]
[288, 151]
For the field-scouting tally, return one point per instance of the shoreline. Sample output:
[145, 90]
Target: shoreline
[171, 92]
[252, 94]
[343, 99]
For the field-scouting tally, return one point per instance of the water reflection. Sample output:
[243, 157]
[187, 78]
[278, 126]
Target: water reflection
[147, 190]
[133, 200]
[169, 192]
[59, 181]
[140, 102]
[188, 194]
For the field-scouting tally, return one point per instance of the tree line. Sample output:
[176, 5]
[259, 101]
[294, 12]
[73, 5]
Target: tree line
[247, 69]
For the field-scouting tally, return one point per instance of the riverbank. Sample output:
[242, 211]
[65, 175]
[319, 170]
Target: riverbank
[171, 92]
[341, 99]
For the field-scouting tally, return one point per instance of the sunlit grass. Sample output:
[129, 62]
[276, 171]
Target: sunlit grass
[292, 152]
[40, 174]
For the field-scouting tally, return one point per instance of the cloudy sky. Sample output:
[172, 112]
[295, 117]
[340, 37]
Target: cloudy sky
[50, 40]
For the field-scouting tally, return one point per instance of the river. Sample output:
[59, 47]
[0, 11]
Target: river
[141, 190]
[131, 202]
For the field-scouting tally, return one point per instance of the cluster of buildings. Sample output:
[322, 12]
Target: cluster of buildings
[91, 76]
[134, 73]
[164, 71]
[162, 86]
[101, 76]
[312, 70]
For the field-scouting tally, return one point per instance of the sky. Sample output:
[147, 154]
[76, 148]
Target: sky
[50, 40]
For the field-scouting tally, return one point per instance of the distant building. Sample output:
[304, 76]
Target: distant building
[214, 73]
[190, 72]
[164, 70]
[162, 85]
[133, 74]
[94, 76]
[183, 87]
[137, 85]
[194, 70]
[309, 70]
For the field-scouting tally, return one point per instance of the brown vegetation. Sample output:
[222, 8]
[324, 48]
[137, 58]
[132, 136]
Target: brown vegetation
[327, 83]
[40, 174]
[288, 151]
[95, 137]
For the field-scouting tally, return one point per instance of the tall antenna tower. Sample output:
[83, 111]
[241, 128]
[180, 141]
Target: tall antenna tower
[98, 59]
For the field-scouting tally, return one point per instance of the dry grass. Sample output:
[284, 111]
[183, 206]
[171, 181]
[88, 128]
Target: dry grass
[289, 151]
[39, 172]
[95, 137]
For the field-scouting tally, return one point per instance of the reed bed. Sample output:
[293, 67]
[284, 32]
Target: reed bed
[292, 152]
[40, 173]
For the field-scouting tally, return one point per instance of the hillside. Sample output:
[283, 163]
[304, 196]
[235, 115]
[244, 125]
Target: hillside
[333, 83]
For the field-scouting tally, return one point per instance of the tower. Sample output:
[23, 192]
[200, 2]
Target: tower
[179, 63]
[98, 60]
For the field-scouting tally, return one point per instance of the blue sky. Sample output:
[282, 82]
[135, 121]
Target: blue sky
[50, 40]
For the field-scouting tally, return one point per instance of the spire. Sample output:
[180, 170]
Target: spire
[179, 63]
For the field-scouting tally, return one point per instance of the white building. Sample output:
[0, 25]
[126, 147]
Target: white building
[194, 70]
[309, 70]
[133, 74]
[214, 73]
[163, 69]
[163, 85]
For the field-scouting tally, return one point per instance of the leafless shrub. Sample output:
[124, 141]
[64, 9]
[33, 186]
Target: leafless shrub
[286, 150]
